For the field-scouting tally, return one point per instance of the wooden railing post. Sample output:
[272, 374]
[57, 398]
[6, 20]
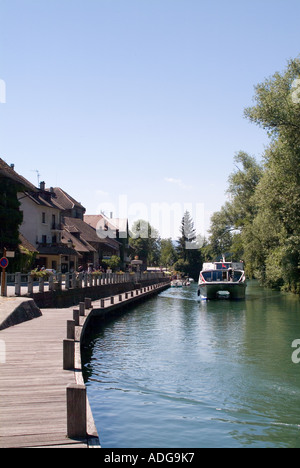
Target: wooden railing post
[76, 411]
[71, 329]
[69, 354]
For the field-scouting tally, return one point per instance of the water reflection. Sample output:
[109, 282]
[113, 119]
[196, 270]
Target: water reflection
[176, 372]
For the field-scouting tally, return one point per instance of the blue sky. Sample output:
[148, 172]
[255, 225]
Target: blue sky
[138, 99]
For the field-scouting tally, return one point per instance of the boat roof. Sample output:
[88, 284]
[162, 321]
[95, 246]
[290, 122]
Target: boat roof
[223, 266]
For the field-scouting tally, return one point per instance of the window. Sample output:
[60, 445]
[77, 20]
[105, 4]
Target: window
[44, 218]
[44, 239]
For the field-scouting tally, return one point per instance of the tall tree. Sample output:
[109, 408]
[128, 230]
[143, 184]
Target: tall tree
[277, 255]
[188, 236]
[188, 249]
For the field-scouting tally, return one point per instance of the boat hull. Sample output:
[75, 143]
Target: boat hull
[212, 291]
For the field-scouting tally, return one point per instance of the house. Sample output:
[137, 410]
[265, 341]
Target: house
[91, 247]
[42, 227]
[53, 226]
[70, 207]
[113, 229]
[97, 249]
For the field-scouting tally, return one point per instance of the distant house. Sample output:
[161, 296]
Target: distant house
[70, 207]
[113, 229]
[97, 249]
[91, 248]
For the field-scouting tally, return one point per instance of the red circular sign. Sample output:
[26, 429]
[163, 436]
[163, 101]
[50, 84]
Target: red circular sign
[3, 262]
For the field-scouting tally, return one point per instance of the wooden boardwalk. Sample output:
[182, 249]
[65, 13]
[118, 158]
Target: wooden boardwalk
[33, 406]
[33, 410]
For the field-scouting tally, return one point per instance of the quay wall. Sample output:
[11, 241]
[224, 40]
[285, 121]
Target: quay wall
[70, 297]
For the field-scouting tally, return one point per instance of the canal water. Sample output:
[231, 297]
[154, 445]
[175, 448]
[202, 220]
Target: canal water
[175, 372]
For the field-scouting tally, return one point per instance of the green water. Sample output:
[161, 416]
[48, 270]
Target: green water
[175, 372]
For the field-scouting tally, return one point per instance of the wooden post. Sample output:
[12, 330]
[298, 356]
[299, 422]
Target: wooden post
[71, 329]
[81, 308]
[76, 411]
[69, 354]
[76, 316]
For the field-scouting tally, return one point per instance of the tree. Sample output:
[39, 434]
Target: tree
[188, 236]
[242, 186]
[168, 254]
[10, 215]
[114, 262]
[188, 250]
[277, 197]
[145, 241]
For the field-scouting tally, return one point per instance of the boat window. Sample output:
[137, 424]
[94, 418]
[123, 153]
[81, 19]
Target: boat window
[207, 275]
[217, 276]
[237, 276]
[223, 266]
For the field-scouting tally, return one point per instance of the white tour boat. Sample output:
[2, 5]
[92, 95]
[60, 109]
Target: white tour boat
[222, 279]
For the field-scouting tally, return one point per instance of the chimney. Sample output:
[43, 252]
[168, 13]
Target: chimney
[12, 166]
[42, 186]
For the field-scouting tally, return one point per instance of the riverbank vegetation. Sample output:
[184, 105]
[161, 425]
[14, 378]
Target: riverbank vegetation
[261, 222]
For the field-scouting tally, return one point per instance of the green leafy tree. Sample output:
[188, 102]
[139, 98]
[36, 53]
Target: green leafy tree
[168, 255]
[114, 262]
[276, 256]
[10, 215]
[145, 241]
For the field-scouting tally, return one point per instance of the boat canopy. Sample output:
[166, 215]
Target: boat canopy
[223, 266]
[224, 276]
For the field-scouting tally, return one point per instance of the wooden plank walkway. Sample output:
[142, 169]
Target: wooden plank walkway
[33, 407]
[33, 410]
